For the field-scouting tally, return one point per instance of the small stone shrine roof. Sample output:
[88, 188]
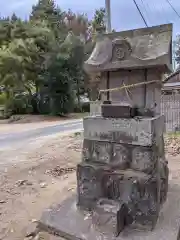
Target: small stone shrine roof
[133, 49]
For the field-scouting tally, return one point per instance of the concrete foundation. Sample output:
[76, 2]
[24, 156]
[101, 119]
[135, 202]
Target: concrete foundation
[67, 221]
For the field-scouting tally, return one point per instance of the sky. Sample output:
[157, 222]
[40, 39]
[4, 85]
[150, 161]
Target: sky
[124, 14]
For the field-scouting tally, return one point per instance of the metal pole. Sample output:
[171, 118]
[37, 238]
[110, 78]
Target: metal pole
[108, 15]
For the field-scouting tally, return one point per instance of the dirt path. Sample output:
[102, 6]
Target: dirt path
[45, 176]
[28, 187]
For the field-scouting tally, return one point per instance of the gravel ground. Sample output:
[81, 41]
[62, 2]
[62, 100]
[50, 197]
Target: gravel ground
[46, 175]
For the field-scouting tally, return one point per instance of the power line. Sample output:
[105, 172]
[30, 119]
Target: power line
[149, 9]
[152, 10]
[173, 8]
[147, 14]
[162, 11]
[139, 10]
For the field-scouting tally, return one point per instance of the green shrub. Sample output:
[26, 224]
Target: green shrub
[20, 104]
[3, 99]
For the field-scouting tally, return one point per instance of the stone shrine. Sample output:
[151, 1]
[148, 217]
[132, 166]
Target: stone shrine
[123, 176]
[131, 57]
[123, 152]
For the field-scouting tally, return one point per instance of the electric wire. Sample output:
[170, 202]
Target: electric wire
[173, 8]
[141, 14]
[147, 14]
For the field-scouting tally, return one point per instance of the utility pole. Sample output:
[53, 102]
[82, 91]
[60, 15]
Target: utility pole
[108, 15]
[108, 30]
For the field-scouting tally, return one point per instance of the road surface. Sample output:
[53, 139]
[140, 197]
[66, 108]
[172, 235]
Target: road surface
[23, 137]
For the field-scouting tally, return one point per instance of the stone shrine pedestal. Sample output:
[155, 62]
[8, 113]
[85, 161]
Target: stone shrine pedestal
[122, 180]
[123, 161]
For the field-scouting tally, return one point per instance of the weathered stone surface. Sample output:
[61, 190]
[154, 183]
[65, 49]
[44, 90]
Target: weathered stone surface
[115, 155]
[139, 191]
[136, 131]
[110, 216]
[122, 156]
[89, 184]
[144, 159]
[123, 185]
[127, 162]
[68, 222]
[139, 48]
[164, 177]
[117, 111]
[146, 211]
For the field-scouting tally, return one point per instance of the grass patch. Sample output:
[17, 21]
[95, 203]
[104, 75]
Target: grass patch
[174, 134]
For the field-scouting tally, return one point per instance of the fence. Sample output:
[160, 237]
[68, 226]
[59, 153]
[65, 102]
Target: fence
[170, 108]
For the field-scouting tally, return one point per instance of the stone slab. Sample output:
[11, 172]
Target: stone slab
[111, 215]
[66, 221]
[94, 182]
[135, 131]
[117, 111]
[122, 156]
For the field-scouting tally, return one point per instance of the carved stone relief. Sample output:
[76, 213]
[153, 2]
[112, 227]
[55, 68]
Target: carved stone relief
[121, 156]
[89, 185]
[115, 155]
[121, 50]
[143, 159]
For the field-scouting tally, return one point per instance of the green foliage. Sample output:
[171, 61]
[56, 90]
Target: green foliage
[45, 55]
[176, 50]
[99, 17]
[2, 99]
[20, 104]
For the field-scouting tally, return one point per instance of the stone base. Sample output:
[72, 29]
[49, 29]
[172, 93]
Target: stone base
[68, 222]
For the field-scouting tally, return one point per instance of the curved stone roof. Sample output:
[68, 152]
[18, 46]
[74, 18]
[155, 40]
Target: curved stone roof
[134, 49]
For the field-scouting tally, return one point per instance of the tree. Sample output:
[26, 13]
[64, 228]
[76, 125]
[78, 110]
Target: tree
[46, 10]
[46, 54]
[23, 56]
[98, 22]
[176, 51]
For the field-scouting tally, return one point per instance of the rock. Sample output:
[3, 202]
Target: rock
[23, 182]
[42, 236]
[34, 221]
[2, 201]
[172, 144]
[32, 230]
[59, 171]
[43, 185]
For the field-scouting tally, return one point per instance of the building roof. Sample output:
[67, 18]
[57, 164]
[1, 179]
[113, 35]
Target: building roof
[133, 49]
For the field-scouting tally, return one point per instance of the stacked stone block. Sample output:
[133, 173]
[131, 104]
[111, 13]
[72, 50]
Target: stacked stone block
[123, 162]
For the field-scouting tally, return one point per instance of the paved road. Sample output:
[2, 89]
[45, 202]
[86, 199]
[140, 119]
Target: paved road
[8, 139]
